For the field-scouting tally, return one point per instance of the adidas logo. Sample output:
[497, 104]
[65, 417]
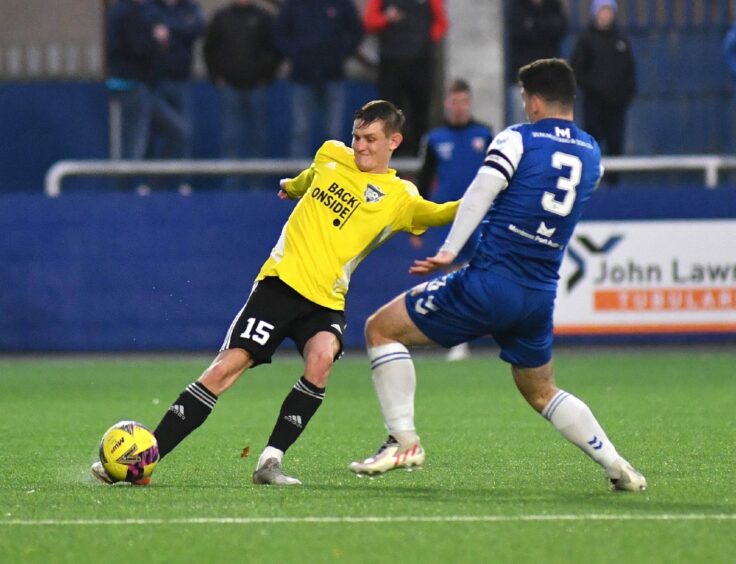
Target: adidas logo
[178, 410]
[295, 420]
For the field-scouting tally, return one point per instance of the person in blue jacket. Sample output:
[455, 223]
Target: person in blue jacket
[183, 20]
[452, 153]
[132, 45]
[317, 36]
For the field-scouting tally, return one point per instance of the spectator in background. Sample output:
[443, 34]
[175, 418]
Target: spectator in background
[183, 23]
[408, 32]
[317, 36]
[131, 49]
[604, 67]
[536, 29]
[242, 60]
[452, 154]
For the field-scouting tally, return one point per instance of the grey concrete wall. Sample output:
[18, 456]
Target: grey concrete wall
[41, 39]
[474, 51]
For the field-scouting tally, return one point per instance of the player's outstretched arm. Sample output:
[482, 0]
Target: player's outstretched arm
[294, 188]
[475, 204]
[431, 214]
[473, 207]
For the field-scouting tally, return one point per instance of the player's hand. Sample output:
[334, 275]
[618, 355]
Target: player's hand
[283, 195]
[441, 260]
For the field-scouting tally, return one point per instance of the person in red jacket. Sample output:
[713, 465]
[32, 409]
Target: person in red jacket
[408, 31]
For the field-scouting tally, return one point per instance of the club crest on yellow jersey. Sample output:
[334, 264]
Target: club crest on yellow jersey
[373, 194]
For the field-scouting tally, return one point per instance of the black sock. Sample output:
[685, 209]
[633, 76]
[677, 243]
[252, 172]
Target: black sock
[298, 408]
[187, 413]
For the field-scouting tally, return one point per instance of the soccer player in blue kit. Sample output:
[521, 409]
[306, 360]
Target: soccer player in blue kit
[529, 193]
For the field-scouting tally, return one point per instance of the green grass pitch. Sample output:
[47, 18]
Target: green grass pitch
[499, 485]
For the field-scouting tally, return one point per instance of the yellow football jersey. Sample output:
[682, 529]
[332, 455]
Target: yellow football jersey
[342, 215]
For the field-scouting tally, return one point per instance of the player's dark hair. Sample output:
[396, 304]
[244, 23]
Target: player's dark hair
[392, 117]
[553, 80]
[458, 85]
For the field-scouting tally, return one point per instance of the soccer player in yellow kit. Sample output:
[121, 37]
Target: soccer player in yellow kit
[350, 202]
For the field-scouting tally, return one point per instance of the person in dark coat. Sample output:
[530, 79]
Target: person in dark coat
[242, 61]
[317, 36]
[536, 29]
[604, 67]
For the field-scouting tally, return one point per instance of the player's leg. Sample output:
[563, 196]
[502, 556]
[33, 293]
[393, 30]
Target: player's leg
[576, 422]
[298, 408]
[198, 399]
[318, 335]
[388, 332]
[526, 344]
[192, 407]
[252, 338]
[462, 351]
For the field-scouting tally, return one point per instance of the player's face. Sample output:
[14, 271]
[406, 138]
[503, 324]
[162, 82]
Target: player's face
[458, 108]
[372, 147]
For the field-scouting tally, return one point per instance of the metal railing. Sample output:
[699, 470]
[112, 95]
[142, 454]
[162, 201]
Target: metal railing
[64, 169]
[709, 165]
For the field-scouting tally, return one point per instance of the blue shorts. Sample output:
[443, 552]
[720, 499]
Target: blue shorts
[472, 303]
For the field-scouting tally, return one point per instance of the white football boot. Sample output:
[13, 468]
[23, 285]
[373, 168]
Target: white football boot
[623, 476]
[98, 471]
[390, 456]
[271, 473]
[458, 352]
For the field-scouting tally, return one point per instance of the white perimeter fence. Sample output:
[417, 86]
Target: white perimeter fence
[709, 165]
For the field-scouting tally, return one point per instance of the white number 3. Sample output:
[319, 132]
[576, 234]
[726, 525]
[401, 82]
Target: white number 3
[262, 333]
[566, 184]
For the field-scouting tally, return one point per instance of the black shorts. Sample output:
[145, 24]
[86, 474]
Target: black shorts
[275, 311]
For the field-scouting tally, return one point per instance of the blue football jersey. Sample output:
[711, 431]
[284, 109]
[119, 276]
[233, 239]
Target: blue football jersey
[552, 168]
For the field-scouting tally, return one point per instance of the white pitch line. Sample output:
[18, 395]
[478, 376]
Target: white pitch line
[374, 519]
